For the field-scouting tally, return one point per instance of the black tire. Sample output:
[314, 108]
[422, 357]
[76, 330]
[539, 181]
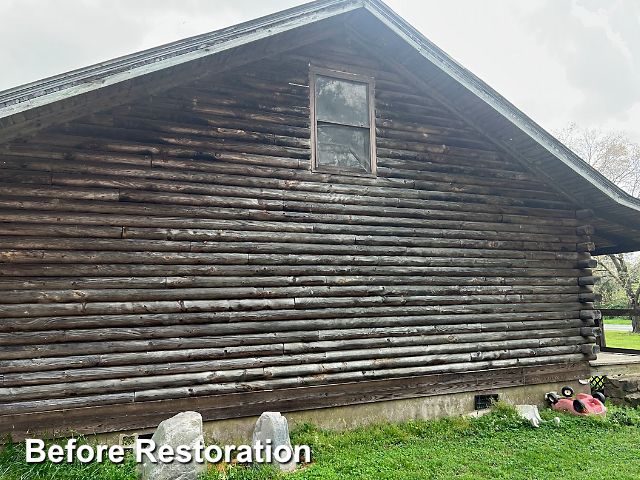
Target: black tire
[599, 396]
[567, 392]
[579, 406]
[552, 398]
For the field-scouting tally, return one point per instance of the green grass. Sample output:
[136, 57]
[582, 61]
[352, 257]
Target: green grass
[622, 339]
[499, 446]
[496, 446]
[14, 467]
[616, 321]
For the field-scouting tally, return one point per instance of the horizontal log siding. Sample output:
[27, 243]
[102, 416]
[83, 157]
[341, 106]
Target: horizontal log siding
[180, 246]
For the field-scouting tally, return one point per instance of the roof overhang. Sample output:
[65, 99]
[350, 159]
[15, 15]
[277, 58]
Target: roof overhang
[28, 108]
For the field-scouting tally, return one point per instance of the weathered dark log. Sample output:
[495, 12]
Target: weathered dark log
[25, 177]
[439, 163]
[411, 111]
[142, 130]
[589, 315]
[588, 263]
[591, 331]
[326, 353]
[139, 270]
[16, 231]
[256, 83]
[111, 139]
[210, 378]
[358, 256]
[377, 194]
[290, 215]
[423, 117]
[391, 198]
[217, 167]
[590, 349]
[124, 384]
[105, 308]
[586, 230]
[589, 280]
[438, 176]
[586, 247]
[427, 129]
[138, 358]
[318, 319]
[360, 316]
[91, 244]
[585, 214]
[534, 284]
[176, 258]
[228, 108]
[49, 283]
[432, 238]
[17, 408]
[590, 297]
[215, 90]
[216, 127]
[59, 192]
[220, 167]
[206, 99]
[119, 295]
[35, 158]
[373, 328]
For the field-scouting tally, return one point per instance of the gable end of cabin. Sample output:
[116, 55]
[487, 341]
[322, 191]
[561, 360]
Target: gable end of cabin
[302, 231]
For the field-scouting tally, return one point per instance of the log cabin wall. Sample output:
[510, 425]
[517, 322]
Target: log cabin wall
[178, 252]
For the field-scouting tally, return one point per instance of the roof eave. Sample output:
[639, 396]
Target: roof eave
[27, 97]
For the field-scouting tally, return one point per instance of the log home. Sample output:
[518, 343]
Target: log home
[315, 209]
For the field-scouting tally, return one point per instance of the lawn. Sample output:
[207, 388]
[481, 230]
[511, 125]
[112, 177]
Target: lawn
[622, 339]
[496, 446]
[616, 321]
[14, 467]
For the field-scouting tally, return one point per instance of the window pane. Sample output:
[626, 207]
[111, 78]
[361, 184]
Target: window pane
[342, 146]
[342, 101]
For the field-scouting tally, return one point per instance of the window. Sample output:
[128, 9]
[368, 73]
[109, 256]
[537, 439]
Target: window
[343, 122]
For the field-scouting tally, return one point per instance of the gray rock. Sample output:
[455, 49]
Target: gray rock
[623, 389]
[633, 399]
[182, 429]
[273, 429]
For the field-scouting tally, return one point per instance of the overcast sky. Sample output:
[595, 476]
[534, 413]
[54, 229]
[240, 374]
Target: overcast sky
[559, 61]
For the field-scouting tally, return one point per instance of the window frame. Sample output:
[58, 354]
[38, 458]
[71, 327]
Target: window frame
[353, 77]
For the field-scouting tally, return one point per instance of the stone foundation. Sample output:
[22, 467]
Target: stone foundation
[623, 389]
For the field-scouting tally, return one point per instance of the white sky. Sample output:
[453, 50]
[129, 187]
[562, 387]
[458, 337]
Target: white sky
[559, 61]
